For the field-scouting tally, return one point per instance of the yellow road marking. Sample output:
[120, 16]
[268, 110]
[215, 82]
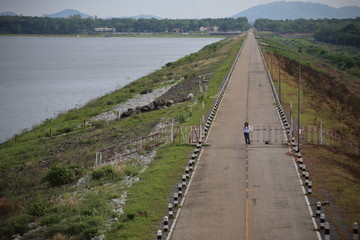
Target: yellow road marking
[247, 220]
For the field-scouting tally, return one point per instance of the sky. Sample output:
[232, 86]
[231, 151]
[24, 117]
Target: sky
[174, 9]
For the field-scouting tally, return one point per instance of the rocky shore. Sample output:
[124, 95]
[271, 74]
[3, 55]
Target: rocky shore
[157, 98]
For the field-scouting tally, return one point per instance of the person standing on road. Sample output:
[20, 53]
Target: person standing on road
[246, 130]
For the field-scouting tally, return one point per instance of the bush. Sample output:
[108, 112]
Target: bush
[50, 220]
[180, 118]
[37, 208]
[64, 130]
[60, 175]
[106, 171]
[99, 124]
[145, 91]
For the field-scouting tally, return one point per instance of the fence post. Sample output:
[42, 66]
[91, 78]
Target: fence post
[203, 110]
[291, 122]
[172, 132]
[321, 132]
[96, 159]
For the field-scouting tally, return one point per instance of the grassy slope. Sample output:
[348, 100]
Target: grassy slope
[83, 211]
[335, 175]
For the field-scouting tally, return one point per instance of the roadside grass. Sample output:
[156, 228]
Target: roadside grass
[79, 205]
[147, 201]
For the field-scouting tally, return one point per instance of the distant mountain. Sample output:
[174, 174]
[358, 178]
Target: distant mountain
[67, 13]
[294, 10]
[143, 16]
[8, 14]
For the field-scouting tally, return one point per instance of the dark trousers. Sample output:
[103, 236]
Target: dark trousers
[247, 138]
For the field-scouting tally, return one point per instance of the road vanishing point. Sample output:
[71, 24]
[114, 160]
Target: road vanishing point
[239, 191]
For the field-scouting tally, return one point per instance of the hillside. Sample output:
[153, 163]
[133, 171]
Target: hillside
[7, 14]
[67, 13]
[295, 10]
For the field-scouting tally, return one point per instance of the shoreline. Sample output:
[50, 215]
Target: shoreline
[125, 35]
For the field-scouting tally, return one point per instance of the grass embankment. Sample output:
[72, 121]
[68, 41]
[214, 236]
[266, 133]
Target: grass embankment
[330, 93]
[39, 197]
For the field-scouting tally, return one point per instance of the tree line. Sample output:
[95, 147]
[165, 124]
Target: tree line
[76, 24]
[333, 31]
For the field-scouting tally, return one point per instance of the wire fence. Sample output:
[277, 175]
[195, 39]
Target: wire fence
[168, 134]
[318, 135]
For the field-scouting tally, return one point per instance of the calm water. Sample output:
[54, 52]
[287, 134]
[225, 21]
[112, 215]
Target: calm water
[40, 76]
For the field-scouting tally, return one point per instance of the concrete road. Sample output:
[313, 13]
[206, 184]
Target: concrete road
[244, 191]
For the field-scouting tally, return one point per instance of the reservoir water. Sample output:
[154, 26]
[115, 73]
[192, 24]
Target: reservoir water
[42, 76]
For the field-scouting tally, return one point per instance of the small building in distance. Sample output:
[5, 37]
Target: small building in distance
[104, 29]
[209, 29]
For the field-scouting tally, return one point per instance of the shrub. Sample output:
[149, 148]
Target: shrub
[99, 124]
[106, 171]
[50, 219]
[180, 118]
[64, 130]
[145, 91]
[60, 175]
[37, 208]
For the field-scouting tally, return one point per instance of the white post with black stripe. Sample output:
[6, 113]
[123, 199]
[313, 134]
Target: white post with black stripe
[307, 180]
[355, 231]
[191, 162]
[327, 231]
[187, 172]
[309, 188]
[176, 199]
[183, 181]
[180, 193]
[166, 224]
[159, 235]
[171, 212]
[322, 221]
[318, 209]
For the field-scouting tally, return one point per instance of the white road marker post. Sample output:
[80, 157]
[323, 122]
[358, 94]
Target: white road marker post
[309, 187]
[166, 223]
[327, 231]
[318, 209]
[187, 172]
[322, 221]
[176, 199]
[183, 181]
[355, 231]
[307, 180]
[171, 212]
[159, 235]
[180, 193]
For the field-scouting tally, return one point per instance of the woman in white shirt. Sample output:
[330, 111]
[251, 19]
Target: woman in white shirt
[246, 130]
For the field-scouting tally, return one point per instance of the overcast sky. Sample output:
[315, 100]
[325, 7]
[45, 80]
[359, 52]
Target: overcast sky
[162, 8]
